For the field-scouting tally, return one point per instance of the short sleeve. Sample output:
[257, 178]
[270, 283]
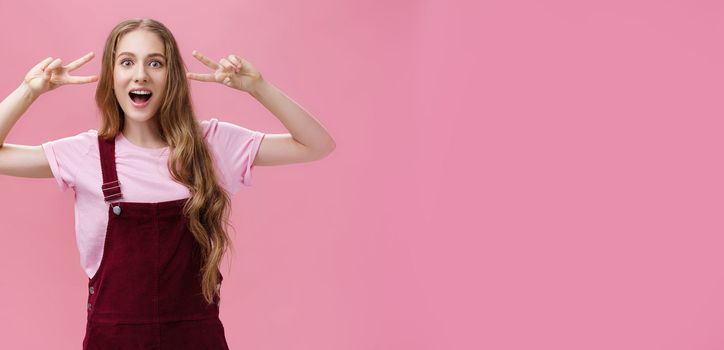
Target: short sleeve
[66, 155]
[236, 148]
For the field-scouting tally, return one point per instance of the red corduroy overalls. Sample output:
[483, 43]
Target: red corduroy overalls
[147, 292]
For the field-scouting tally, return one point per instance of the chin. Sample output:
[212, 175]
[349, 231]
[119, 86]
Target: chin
[139, 116]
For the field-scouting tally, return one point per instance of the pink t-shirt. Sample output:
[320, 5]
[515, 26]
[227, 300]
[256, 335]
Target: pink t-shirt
[143, 174]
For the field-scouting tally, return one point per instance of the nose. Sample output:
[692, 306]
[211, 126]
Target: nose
[140, 74]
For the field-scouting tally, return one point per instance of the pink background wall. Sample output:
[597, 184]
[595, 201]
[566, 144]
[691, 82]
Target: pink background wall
[508, 174]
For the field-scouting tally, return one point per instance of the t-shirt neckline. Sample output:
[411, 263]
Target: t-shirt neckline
[155, 151]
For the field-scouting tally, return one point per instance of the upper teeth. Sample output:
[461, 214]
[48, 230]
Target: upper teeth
[141, 92]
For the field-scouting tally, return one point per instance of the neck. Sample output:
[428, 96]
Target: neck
[143, 134]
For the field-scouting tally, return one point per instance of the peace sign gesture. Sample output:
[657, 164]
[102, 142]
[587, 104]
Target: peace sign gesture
[234, 72]
[49, 74]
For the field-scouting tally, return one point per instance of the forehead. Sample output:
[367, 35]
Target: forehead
[140, 43]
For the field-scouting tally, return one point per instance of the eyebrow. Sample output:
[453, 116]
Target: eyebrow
[132, 55]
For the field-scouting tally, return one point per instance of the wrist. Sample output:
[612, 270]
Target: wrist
[258, 88]
[28, 92]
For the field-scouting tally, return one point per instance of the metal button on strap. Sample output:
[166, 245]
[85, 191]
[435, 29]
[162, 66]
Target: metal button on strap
[89, 306]
[117, 210]
[91, 290]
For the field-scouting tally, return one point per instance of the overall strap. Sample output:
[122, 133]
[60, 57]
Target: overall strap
[111, 187]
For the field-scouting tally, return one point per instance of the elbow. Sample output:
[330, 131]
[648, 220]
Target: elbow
[330, 147]
[323, 151]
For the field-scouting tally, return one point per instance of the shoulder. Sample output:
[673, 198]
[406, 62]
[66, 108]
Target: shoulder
[78, 143]
[219, 131]
[206, 125]
[85, 136]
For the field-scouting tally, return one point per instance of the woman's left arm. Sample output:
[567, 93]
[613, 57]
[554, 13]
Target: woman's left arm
[307, 139]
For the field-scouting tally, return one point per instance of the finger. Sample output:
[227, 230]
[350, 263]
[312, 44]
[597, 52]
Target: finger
[81, 80]
[200, 77]
[79, 62]
[228, 65]
[236, 61]
[52, 66]
[205, 60]
[43, 64]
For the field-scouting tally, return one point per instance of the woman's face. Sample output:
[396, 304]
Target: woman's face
[139, 64]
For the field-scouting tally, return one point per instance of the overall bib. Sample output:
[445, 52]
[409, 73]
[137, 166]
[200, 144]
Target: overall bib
[146, 294]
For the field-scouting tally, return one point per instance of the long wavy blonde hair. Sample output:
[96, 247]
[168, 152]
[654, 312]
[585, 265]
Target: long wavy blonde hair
[189, 161]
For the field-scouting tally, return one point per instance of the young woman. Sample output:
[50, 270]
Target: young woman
[152, 183]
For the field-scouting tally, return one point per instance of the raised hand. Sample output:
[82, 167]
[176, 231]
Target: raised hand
[234, 72]
[49, 74]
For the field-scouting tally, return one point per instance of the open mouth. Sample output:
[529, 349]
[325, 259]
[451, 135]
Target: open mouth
[140, 98]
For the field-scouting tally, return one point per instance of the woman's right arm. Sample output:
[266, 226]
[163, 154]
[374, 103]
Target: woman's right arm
[30, 161]
[20, 160]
